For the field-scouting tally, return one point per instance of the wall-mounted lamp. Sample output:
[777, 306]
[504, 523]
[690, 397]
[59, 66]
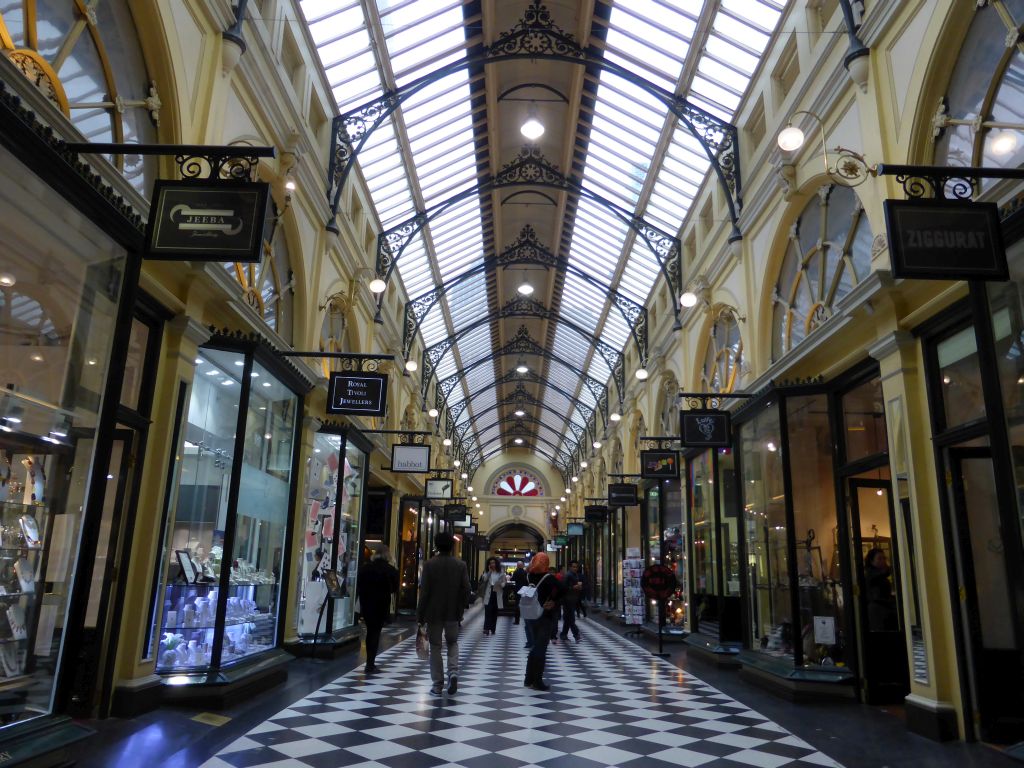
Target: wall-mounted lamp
[614, 416]
[433, 413]
[850, 169]
[446, 442]
[641, 373]
[411, 365]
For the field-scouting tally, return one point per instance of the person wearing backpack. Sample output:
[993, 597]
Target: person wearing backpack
[542, 602]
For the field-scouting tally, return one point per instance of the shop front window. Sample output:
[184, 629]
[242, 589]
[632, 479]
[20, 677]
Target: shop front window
[864, 421]
[959, 380]
[771, 623]
[56, 324]
[728, 513]
[226, 542]
[673, 547]
[816, 530]
[705, 558]
[409, 556]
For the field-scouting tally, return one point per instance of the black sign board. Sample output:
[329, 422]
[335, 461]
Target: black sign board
[622, 495]
[945, 240]
[593, 513]
[482, 544]
[658, 582]
[363, 394]
[561, 540]
[453, 512]
[705, 428]
[574, 529]
[334, 588]
[659, 464]
[204, 220]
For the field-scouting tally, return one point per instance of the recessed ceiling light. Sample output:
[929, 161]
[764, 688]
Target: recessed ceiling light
[518, 441]
[266, 384]
[239, 363]
[520, 413]
[521, 368]
[37, 357]
[525, 289]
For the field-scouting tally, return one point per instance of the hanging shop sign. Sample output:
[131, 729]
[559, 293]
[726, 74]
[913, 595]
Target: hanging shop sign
[945, 240]
[482, 543]
[574, 529]
[660, 465]
[658, 582]
[622, 495]
[593, 513]
[454, 512]
[410, 458]
[439, 488]
[705, 428]
[561, 540]
[359, 394]
[204, 220]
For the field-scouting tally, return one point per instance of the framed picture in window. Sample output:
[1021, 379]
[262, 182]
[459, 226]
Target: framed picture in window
[188, 567]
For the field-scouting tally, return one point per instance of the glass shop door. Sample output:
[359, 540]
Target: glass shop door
[885, 675]
[994, 648]
[408, 554]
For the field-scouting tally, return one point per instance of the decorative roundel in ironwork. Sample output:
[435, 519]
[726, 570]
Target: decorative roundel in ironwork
[518, 482]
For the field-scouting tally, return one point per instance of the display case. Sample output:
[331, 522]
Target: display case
[335, 476]
[24, 643]
[223, 558]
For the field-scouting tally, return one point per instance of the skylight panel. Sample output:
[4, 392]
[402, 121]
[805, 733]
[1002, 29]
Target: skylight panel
[433, 327]
[582, 302]
[731, 28]
[570, 346]
[616, 330]
[740, 57]
[640, 273]
[549, 434]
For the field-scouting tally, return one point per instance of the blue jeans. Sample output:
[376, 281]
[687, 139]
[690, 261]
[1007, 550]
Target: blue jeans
[528, 627]
[543, 629]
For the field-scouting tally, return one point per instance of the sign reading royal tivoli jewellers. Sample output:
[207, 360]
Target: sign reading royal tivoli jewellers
[945, 240]
[363, 394]
[203, 220]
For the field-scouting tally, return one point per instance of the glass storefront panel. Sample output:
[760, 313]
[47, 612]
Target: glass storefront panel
[728, 516]
[409, 555]
[822, 633]
[705, 549]
[673, 547]
[960, 377]
[864, 421]
[1007, 307]
[191, 632]
[59, 291]
[771, 626]
[196, 538]
[350, 505]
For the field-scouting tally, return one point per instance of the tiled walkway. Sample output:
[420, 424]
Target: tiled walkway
[611, 704]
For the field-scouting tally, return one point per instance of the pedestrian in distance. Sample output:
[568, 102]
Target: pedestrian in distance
[519, 578]
[571, 588]
[444, 594]
[492, 592]
[376, 582]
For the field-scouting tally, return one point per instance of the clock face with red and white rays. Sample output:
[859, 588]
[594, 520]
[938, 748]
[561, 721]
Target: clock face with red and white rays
[518, 482]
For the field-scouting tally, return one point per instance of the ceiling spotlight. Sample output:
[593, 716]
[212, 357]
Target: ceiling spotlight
[411, 365]
[518, 441]
[790, 138]
[597, 443]
[641, 373]
[446, 442]
[1003, 143]
[7, 279]
[532, 129]
[688, 299]
[456, 463]
[520, 413]
[525, 288]
[521, 368]
[432, 413]
[614, 416]
[377, 285]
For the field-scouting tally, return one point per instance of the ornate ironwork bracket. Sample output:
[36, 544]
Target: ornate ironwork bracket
[709, 400]
[405, 436]
[349, 361]
[195, 161]
[661, 441]
[234, 32]
[532, 169]
[945, 182]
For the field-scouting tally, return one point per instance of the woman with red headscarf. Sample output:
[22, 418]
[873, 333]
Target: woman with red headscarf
[547, 594]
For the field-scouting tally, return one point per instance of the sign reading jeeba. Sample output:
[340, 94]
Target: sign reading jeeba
[945, 240]
[207, 220]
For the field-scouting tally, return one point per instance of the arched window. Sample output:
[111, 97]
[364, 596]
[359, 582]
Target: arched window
[982, 115]
[86, 59]
[828, 254]
[266, 286]
[723, 362]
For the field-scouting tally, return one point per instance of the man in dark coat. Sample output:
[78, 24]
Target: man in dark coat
[519, 578]
[376, 583]
[444, 595]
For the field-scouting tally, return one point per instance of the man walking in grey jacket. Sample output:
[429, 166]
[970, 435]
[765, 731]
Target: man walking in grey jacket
[444, 594]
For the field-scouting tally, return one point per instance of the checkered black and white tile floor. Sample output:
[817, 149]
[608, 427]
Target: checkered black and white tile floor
[611, 704]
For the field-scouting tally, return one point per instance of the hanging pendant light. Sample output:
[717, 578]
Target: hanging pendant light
[532, 128]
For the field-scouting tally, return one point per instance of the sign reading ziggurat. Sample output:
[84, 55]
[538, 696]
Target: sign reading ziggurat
[361, 394]
[204, 220]
[945, 240]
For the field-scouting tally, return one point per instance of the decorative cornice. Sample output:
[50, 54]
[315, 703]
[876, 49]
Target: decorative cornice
[254, 339]
[191, 329]
[897, 341]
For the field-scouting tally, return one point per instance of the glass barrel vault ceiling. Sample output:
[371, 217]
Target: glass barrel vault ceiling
[427, 152]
